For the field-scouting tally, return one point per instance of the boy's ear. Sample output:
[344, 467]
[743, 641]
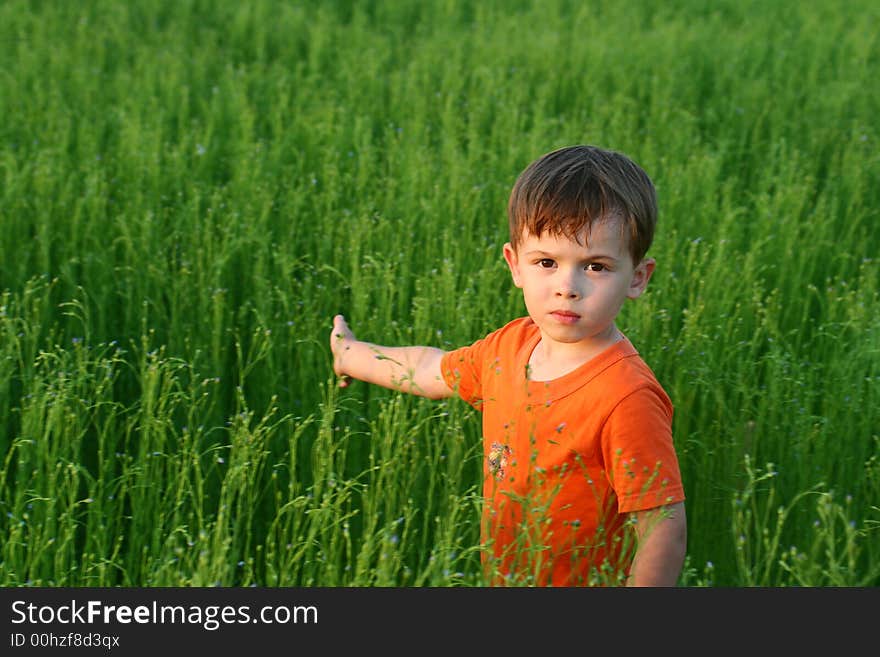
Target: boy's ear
[641, 276]
[512, 263]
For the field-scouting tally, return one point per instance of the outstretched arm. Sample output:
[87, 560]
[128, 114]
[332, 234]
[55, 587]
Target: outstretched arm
[662, 542]
[415, 370]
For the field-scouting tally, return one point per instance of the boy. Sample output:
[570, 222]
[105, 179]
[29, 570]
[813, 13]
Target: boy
[577, 432]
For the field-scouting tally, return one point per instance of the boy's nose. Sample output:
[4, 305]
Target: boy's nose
[568, 289]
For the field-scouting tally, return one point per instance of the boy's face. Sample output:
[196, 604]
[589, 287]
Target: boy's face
[574, 291]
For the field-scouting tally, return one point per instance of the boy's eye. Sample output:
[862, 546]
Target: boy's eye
[546, 263]
[595, 266]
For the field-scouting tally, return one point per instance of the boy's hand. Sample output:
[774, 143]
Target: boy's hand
[411, 369]
[340, 340]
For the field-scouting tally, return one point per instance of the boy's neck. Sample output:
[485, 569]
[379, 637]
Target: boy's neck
[551, 360]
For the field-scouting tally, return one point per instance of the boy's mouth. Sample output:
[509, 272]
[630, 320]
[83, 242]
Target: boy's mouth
[565, 316]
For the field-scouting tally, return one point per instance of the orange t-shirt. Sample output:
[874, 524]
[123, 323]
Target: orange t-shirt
[565, 459]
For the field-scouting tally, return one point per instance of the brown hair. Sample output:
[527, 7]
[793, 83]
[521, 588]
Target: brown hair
[571, 188]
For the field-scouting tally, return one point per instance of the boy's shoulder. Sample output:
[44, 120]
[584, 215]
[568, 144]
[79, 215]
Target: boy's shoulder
[502, 344]
[627, 373]
[509, 340]
[518, 330]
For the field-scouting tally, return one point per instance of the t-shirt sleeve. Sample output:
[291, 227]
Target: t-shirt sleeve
[639, 452]
[462, 372]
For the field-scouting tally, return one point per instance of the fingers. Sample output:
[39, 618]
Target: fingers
[340, 332]
[340, 327]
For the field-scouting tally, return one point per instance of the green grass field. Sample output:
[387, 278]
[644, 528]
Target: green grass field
[190, 190]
